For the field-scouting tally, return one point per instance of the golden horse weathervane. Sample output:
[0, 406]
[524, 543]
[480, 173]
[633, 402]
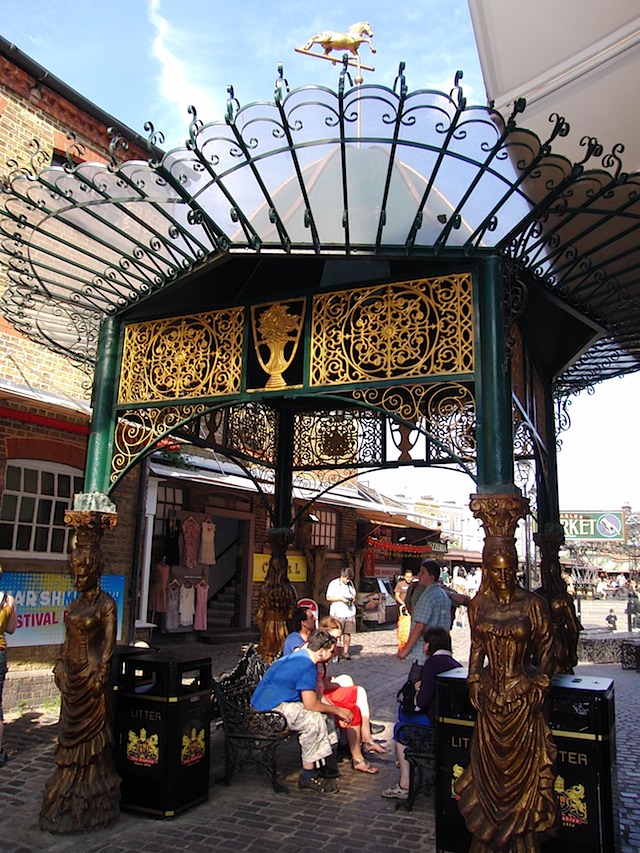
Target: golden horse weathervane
[350, 41]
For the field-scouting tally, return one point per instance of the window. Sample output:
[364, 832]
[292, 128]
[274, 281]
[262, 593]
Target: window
[325, 532]
[170, 498]
[36, 497]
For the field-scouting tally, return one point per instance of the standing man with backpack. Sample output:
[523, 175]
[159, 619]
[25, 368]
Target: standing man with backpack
[8, 622]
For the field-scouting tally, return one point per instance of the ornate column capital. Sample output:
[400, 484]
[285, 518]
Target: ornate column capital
[499, 513]
[90, 525]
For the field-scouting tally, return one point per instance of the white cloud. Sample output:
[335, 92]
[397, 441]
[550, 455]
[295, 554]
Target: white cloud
[179, 76]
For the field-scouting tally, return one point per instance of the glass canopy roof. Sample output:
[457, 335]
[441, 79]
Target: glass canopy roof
[366, 171]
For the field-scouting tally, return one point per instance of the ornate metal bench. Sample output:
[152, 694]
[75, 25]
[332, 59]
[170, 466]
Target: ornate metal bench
[420, 752]
[250, 737]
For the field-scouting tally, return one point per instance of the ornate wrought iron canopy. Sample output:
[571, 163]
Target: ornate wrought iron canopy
[366, 172]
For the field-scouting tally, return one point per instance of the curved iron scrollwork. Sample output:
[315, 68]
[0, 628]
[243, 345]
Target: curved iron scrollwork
[450, 419]
[138, 430]
[251, 430]
[523, 443]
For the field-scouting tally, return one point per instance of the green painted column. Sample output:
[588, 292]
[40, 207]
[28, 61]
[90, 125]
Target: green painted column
[547, 485]
[284, 469]
[100, 447]
[493, 392]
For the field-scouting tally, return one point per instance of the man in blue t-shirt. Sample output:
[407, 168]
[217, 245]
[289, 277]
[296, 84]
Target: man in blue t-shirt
[303, 623]
[289, 686]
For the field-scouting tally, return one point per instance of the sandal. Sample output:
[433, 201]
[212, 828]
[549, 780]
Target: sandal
[372, 748]
[395, 793]
[363, 766]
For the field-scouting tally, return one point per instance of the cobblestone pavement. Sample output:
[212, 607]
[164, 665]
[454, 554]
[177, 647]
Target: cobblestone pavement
[248, 815]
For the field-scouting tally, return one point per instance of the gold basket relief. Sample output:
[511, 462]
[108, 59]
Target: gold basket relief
[277, 328]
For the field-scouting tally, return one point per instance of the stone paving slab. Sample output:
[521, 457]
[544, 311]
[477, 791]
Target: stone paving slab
[248, 815]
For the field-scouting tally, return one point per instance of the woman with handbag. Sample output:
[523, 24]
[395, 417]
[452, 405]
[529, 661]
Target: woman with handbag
[417, 699]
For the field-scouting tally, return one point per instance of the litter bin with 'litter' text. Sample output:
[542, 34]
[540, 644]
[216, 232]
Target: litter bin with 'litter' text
[163, 713]
[582, 719]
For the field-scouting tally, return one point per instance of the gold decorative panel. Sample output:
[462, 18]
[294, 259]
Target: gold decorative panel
[182, 357]
[403, 330]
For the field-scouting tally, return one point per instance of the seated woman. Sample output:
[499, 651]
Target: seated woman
[437, 648]
[341, 691]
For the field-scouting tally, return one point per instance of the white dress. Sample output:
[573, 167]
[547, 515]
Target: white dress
[187, 604]
[207, 554]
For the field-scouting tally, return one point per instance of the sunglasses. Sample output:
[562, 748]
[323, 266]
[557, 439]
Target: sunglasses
[328, 640]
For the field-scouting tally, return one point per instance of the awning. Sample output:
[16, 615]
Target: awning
[393, 519]
[365, 171]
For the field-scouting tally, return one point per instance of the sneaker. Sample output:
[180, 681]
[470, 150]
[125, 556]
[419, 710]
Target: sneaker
[396, 793]
[320, 786]
[376, 728]
[3, 757]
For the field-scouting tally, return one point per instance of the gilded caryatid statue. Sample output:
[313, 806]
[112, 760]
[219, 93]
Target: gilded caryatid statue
[506, 793]
[84, 791]
[277, 599]
[566, 625]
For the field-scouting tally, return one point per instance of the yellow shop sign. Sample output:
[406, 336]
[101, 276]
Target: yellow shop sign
[296, 562]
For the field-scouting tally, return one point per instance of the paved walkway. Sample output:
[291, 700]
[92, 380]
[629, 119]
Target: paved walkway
[248, 816]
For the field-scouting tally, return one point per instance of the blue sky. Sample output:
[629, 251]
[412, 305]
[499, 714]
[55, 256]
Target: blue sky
[150, 59]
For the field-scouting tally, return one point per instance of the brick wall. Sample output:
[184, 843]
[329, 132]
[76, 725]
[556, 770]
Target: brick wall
[31, 111]
[24, 690]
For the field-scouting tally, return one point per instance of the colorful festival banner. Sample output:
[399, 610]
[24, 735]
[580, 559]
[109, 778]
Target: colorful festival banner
[43, 600]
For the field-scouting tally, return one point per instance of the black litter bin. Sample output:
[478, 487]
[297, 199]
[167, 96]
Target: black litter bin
[582, 718]
[455, 717]
[162, 733]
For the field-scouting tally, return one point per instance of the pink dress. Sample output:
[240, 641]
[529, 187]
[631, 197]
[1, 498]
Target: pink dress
[202, 597]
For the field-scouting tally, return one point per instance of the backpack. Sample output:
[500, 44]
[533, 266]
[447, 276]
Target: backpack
[406, 696]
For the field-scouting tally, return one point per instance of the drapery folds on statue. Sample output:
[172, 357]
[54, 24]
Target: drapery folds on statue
[277, 599]
[506, 792]
[566, 625]
[84, 792]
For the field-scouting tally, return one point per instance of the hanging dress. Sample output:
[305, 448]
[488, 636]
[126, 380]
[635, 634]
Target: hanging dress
[207, 543]
[202, 598]
[187, 604]
[172, 546]
[172, 616]
[158, 588]
[191, 537]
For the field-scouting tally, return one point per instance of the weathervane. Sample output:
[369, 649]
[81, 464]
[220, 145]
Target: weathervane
[349, 41]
